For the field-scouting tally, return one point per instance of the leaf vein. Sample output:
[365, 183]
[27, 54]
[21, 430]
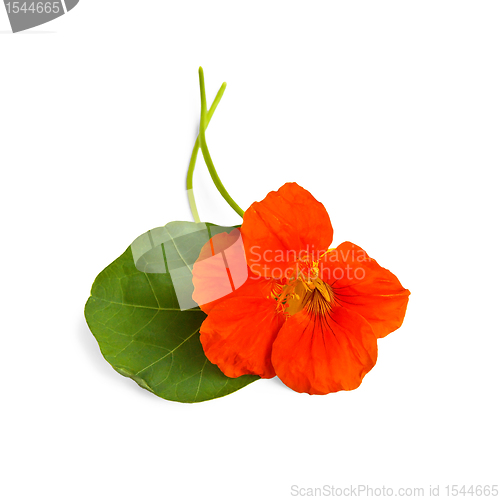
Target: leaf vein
[168, 353]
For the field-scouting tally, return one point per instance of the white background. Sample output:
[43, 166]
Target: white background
[387, 111]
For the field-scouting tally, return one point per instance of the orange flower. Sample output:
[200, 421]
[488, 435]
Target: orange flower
[306, 313]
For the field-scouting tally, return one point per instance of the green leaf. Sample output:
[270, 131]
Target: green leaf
[141, 330]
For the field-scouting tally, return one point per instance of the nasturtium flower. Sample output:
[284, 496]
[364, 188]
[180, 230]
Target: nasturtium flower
[307, 313]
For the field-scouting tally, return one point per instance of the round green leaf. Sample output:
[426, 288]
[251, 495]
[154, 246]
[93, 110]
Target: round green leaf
[144, 335]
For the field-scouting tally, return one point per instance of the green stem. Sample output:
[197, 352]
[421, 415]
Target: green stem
[204, 119]
[194, 155]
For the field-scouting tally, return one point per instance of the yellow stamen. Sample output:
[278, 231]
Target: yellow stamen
[304, 290]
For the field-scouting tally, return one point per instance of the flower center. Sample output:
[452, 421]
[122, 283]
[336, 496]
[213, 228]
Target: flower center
[307, 269]
[304, 290]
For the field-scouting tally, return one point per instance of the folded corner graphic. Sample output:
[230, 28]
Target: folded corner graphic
[213, 256]
[27, 14]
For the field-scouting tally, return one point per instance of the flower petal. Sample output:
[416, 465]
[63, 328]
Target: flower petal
[238, 335]
[363, 286]
[319, 354]
[283, 227]
[221, 272]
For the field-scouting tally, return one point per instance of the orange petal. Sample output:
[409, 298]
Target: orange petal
[319, 354]
[220, 270]
[286, 225]
[361, 285]
[238, 335]
[254, 287]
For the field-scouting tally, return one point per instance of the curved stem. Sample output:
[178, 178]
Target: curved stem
[206, 154]
[194, 155]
